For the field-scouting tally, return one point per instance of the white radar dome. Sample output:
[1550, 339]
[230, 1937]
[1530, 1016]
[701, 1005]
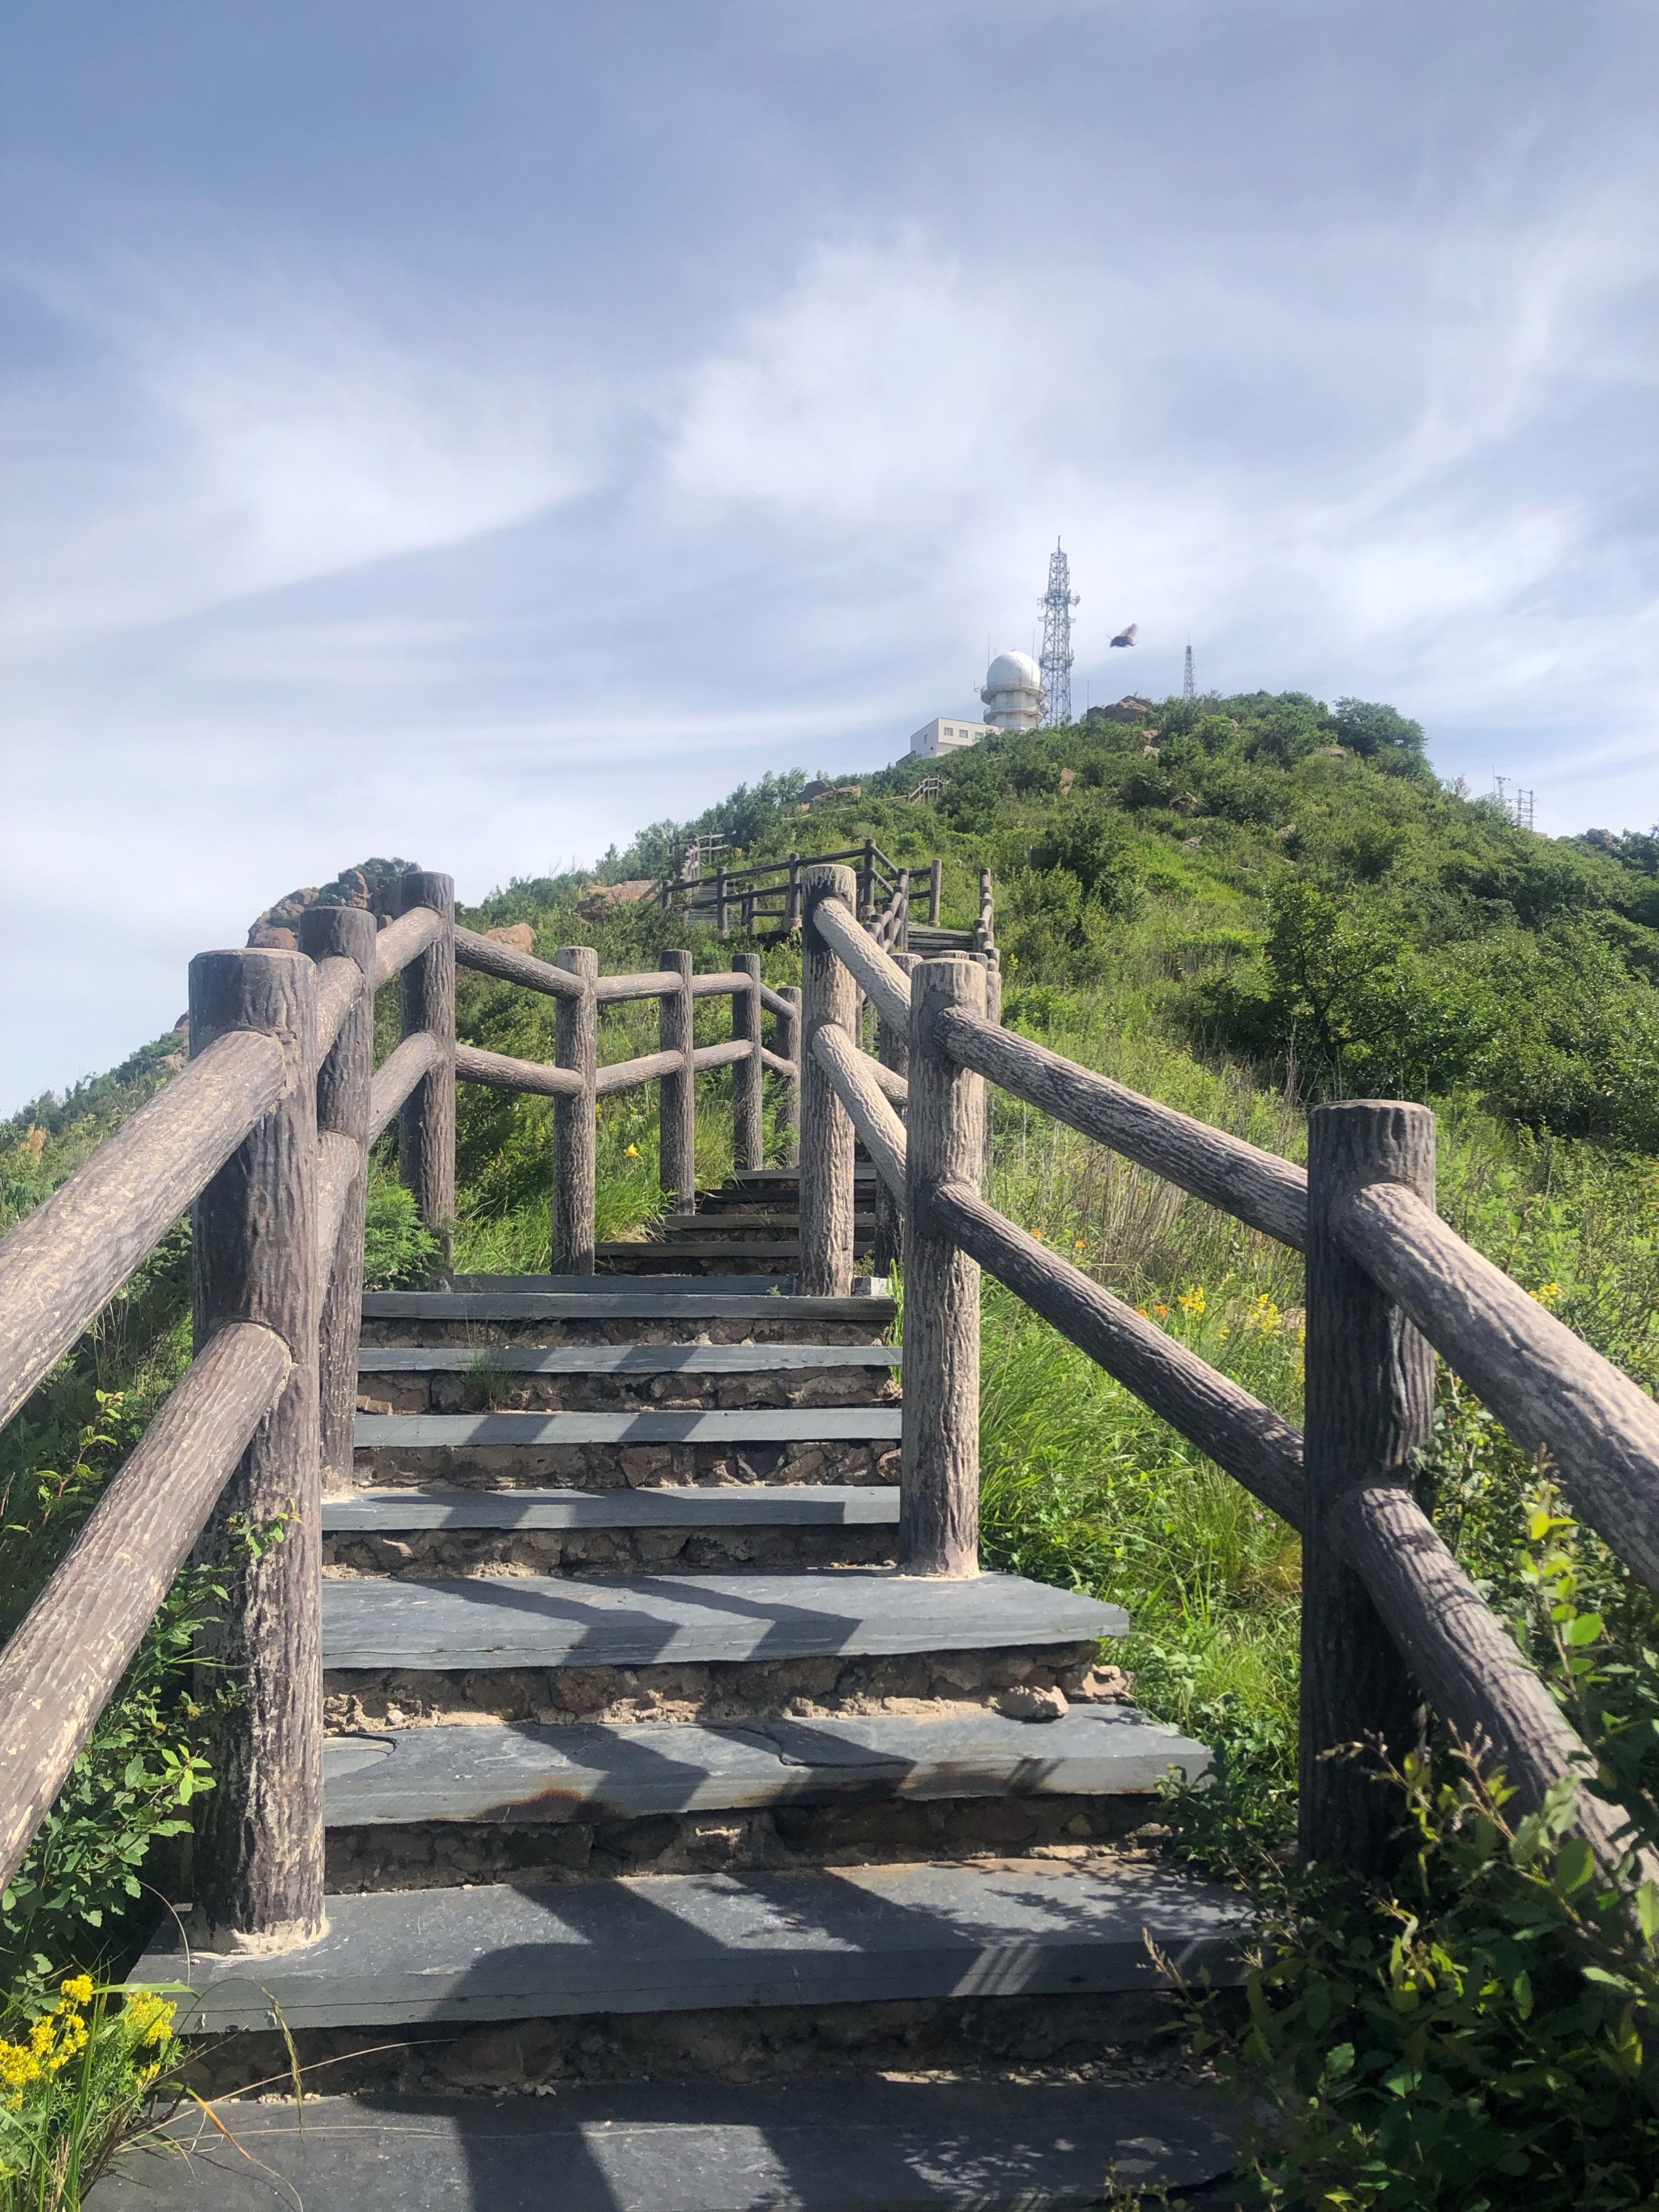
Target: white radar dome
[1013, 671]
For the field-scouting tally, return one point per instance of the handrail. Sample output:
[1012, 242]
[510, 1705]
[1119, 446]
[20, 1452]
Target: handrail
[58, 1671]
[651, 983]
[63, 1263]
[489, 957]
[1456, 1646]
[404, 940]
[623, 1074]
[879, 1126]
[1255, 1444]
[396, 1076]
[1258, 1189]
[857, 952]
[339, 982]
[500, 1072]
[1551, 1392]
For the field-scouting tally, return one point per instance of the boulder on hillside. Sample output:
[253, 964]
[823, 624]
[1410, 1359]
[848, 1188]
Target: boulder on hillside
[372, 883]
[1130, 708]
[517, 935]
[596, 903]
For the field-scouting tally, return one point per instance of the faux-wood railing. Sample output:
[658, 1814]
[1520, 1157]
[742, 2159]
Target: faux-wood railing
[264, 1138]
[1389, 1618]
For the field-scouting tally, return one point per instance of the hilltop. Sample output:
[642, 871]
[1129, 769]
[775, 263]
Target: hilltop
[1263, 880]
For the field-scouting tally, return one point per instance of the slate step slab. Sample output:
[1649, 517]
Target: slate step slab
[683, 1425]
[640, 1620]
[756, 1505]
[528, 1775]
[860, 2145]
[692, 1297]
[691, 1942]
[624, 1358]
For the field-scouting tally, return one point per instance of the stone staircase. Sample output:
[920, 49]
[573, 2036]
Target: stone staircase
[652, 1788]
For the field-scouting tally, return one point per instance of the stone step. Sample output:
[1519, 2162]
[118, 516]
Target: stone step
[874, 2144]
[629, 1358]
[705, 1309]
[696, 1942]
[744, 1505]
[649, 1259]
[743, 1219]
[587, 1286]
[527, 1775]
[536, 1621]
[675, 1424]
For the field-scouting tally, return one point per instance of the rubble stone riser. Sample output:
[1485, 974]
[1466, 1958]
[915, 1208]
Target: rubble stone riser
[719, 1690]
[952, 2035]
[502, 1392]
[446, 1854]
[428, 1551]
[543, 1334]
[619, 1466]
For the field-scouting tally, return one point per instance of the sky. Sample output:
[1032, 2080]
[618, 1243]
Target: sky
[471, 432]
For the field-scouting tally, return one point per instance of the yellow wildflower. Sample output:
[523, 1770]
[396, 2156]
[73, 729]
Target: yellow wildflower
[1080, 1244]
[1038, 1235]
[1193, 1301]
[631, 1152]
[17, 2066]
[78, 1988]
[1547, 1294]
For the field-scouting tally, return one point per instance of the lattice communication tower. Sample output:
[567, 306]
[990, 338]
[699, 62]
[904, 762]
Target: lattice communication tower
[1057, 603]
[1186, 690]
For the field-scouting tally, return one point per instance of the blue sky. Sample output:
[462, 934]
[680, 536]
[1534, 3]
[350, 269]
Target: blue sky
[471, 431]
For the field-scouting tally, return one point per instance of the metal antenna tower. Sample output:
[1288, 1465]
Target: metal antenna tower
[1525, 809]
[1057, 603]
[1187, 689]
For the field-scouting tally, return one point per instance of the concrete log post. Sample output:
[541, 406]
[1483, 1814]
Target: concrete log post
[1369, 1408]
[258, 1859]
[748, 1130]
[828, 1000]
[945, 1145]
[426, 1128]
[677, 1169]
[344, 1083]
[893, 1051]
[788, 1034]
[575, 1126]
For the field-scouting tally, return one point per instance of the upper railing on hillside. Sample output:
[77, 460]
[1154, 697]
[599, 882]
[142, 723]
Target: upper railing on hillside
[768, 893]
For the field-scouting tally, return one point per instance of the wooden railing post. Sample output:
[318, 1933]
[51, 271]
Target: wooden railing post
[259, 1861]
[575, 1129]
[994, 987]
[676, 1096]
[829, 999]
[866, 908]
[945, 1142]
[1369, 1407]
[426, 1128]
[935, 887]
[985, 929]
[343, 1091]
[788, 1034]
[903, 934]
[892, 1050]
[792, 896]
[748, 1130]
[721, 923]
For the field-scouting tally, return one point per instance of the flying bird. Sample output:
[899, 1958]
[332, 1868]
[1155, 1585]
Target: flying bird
[1126, 636]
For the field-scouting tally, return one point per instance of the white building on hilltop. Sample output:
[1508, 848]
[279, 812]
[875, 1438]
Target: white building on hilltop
[947, 733]
[1014, 692]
